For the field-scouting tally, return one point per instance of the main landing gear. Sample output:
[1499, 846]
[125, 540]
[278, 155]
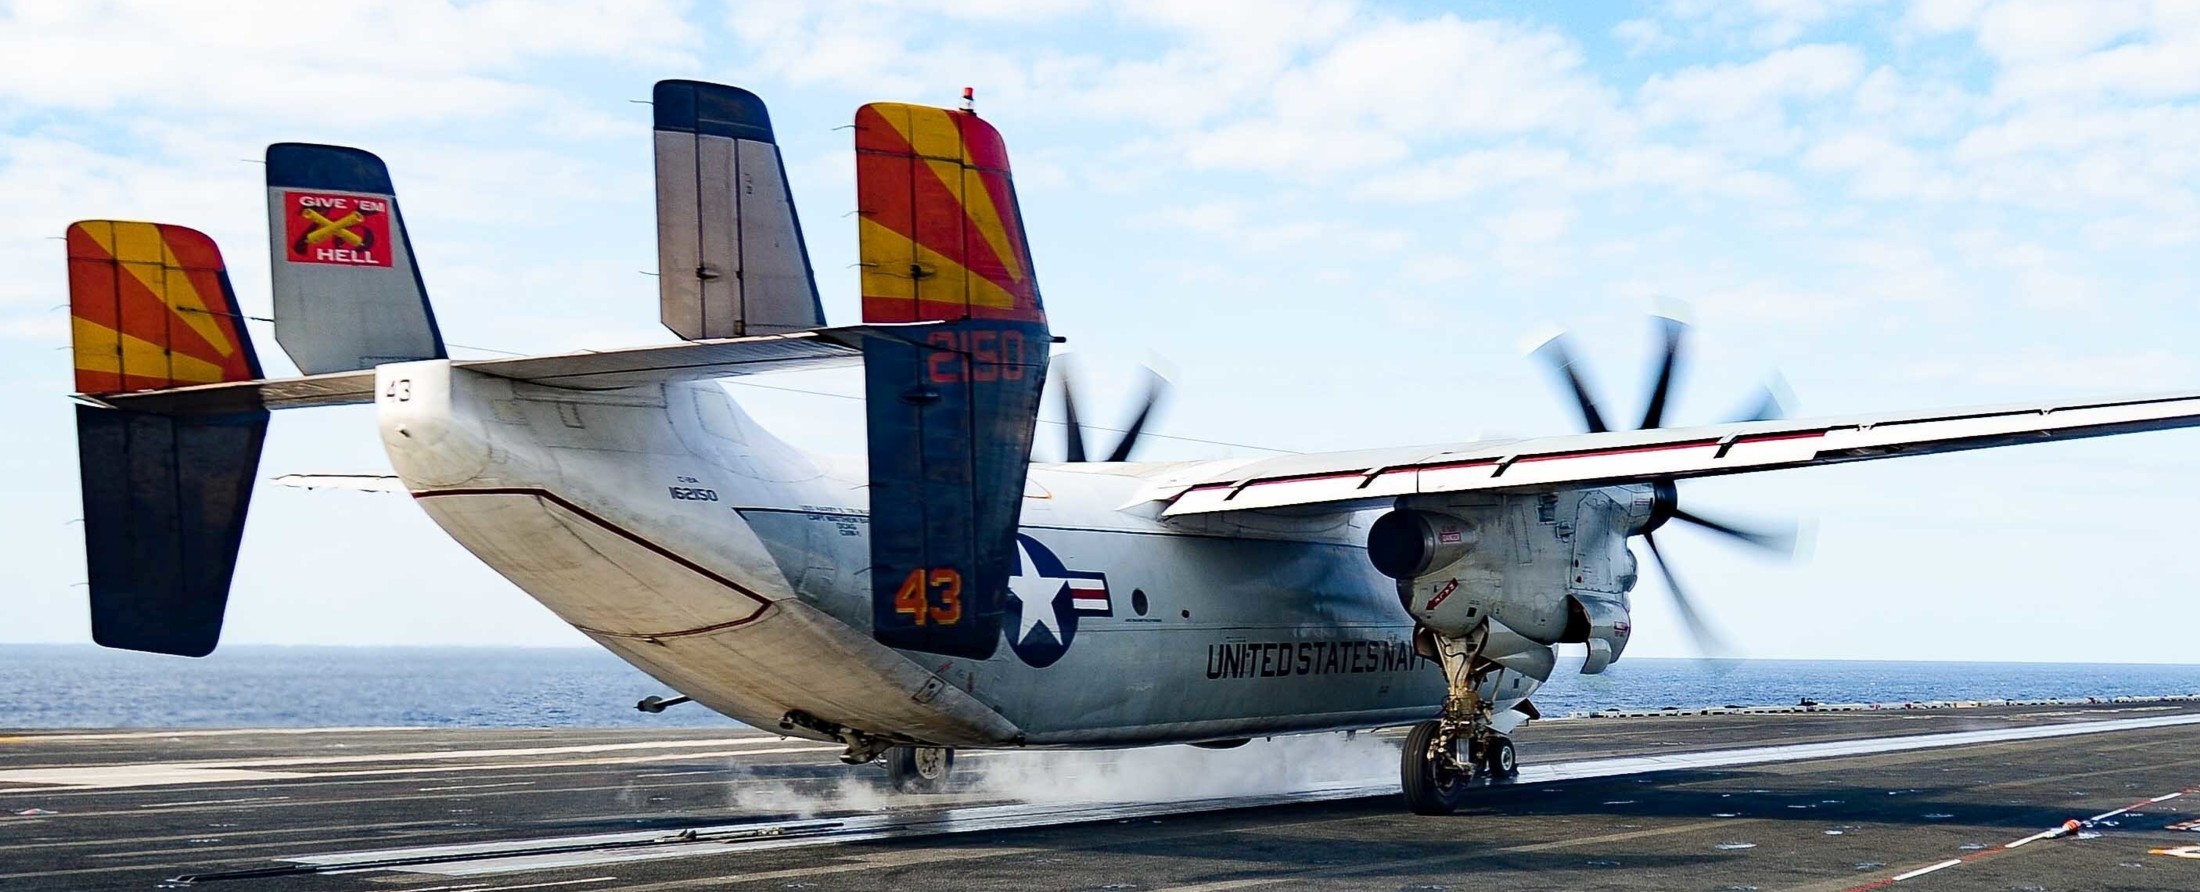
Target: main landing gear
[1444, 756]
[919, 769]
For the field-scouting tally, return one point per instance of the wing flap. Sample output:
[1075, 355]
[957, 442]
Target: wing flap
[1638, 456]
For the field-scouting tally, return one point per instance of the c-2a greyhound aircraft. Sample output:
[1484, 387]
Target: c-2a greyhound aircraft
[944, 591]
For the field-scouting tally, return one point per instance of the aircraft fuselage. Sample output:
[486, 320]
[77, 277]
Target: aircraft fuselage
[667, 525]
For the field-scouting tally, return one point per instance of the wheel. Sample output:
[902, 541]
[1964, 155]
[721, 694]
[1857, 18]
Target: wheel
[1499, 760]
[1432, 785]
[919, 769]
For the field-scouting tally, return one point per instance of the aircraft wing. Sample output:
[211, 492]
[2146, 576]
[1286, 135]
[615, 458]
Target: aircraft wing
[583, 370]
[1374, 477]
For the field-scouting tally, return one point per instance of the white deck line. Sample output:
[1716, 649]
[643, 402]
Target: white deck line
[148, 774]
[1925, 870]
[33, 735]
[506, 856]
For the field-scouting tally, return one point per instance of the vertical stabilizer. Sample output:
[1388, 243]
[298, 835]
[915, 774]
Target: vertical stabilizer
[949, 416]
[730, 258]
[150, 307]
[347, 292]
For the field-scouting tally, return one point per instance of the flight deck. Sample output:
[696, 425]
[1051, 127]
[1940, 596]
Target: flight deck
[1970, 796]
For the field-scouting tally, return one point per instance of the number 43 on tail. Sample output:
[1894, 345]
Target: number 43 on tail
[915, 600]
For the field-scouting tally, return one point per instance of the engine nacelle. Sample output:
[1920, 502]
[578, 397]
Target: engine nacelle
[1603, 625]
[1551, 567]
[1405, 544]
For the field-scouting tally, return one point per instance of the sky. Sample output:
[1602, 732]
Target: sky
[1334, 224]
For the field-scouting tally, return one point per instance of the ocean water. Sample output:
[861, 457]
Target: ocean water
[81, 686]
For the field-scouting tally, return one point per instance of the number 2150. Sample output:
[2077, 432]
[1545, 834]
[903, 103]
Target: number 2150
[913, 596]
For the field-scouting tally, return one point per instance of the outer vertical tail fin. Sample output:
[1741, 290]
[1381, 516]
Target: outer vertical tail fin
[164, 495]
[730, 257]
[950, 418]
[942, 236]
[150, 307]
[348, 295]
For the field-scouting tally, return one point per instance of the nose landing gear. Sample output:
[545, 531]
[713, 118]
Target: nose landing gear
[1444, 756]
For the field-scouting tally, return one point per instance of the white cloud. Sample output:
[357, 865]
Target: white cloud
[2048, 370]
[1277, 147]
[1691, 171]
[1880, 168]
[1642, 36]
[2166, 66]
[1530, 242]
[2031, 30]
[1759, 23]
[52, 181]
[1753, 90]
[1474, 172]
[1444, 76]
[1373, 95]
[363, 63]
[50, 329]
[1263, 230]
[1914, 107]
[1941, 16]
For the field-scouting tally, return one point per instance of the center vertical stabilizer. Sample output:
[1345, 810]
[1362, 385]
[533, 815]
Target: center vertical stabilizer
[730, 258]
[348, 293]
[950, 411]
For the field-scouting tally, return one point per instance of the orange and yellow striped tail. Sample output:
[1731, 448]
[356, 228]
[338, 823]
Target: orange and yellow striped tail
[150, 307]
[940, 233]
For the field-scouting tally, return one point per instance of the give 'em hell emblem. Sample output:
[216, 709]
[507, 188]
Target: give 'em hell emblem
[347, 230]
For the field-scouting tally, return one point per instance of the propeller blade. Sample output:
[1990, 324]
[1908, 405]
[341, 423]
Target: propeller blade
[1156, 386]
[1653, 414]
[1073, 434]
[1706, 639]
[1554, 353]
[1768, 408]
[1778, 542]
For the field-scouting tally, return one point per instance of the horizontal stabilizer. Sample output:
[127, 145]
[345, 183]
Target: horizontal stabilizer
[583, 370]
[347, 292]
[730, 257]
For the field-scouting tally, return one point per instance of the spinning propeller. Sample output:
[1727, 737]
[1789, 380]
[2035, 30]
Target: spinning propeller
[1666, 505]
[1074, 432]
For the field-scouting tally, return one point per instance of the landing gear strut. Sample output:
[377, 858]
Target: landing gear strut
[1445, 755]
[919, 769]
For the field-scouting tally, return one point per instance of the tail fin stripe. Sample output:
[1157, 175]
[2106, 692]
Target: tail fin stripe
[944, 282]
[952, 209]
[149, 300]
[171, 276]
[151, 308]
[136, 355]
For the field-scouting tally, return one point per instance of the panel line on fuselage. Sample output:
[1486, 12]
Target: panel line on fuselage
[1159, 534]
[763, 604]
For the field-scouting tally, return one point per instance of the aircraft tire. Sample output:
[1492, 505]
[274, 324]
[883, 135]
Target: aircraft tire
[1500, 761]
[919, 769]
[1430, 789]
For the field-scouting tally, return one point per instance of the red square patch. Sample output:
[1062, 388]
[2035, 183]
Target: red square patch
[346, 230]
